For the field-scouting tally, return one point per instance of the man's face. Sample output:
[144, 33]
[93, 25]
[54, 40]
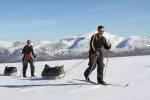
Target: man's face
[101, 31]
[29, 42]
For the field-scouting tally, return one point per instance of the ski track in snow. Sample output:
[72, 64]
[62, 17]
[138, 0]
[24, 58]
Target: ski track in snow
[133, 70]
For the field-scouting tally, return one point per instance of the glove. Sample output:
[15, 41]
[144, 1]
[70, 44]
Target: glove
[110, 46]
[34, 56]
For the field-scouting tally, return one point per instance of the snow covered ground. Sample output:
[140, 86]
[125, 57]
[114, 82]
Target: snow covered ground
[133, 70]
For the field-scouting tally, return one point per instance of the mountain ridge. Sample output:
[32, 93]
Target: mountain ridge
[75, 47]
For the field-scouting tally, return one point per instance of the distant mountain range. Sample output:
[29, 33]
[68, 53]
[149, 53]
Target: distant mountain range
[75, 47]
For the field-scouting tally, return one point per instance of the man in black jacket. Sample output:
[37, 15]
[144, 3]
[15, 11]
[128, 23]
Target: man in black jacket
[95, 55]
[28, 55]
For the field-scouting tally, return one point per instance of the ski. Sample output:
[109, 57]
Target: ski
[107, 84]
[94, 83]
[118, 85]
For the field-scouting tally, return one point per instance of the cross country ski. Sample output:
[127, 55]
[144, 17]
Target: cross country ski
[106, 84]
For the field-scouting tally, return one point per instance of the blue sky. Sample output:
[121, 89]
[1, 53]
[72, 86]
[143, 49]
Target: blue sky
[55, 19]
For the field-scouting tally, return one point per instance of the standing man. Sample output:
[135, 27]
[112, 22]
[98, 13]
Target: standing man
[28, 55]
[95, 55]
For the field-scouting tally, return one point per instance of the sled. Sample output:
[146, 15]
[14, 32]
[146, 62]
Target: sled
[56, 72]
[10, 71]
[54, 77]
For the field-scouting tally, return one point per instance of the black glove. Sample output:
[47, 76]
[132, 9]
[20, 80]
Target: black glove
[109, 46]
[34, 56]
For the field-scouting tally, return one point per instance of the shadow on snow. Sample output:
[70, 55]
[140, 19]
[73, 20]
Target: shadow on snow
[43, 85]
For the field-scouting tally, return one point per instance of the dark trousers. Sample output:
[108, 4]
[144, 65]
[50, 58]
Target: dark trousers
[92, 66]
[25, 65]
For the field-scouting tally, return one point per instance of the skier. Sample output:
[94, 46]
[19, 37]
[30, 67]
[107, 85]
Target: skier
[95, 55]
[28, 55]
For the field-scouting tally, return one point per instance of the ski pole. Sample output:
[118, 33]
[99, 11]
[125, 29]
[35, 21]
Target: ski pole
[21, 69]
[21, 72]
[106, 63]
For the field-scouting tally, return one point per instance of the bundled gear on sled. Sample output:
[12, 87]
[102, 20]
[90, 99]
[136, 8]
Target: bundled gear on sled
[56, 72]
[10, 71]
[28, 55]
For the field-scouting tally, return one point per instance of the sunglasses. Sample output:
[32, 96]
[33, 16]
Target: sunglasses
[101, 31]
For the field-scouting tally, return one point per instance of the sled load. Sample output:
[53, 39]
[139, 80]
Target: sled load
[56, 72]
[10, 71]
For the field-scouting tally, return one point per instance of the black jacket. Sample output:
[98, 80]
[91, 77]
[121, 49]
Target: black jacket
[96, 44]
[28, 50]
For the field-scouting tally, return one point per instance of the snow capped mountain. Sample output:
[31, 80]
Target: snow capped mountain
[74, 47]
[113, 39]
[134, 42]
[4, 44]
